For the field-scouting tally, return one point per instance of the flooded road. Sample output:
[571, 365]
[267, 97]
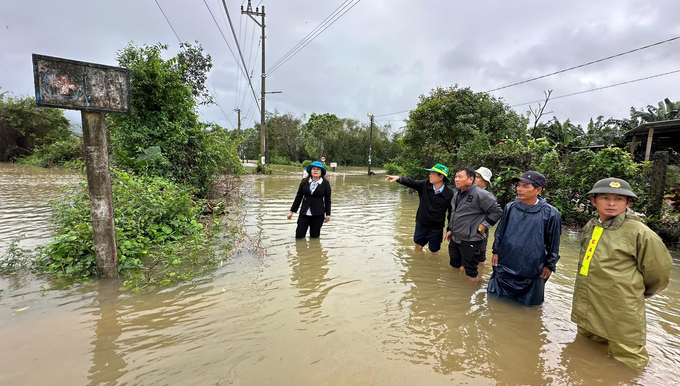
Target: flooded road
[357, 306]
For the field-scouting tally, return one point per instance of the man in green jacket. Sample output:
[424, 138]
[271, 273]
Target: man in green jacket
[622, 262]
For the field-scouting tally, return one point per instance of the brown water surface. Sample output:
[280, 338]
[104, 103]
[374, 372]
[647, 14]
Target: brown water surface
[357, 306]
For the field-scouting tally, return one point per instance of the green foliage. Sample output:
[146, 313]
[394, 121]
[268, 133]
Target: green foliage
[157, 221]
[60, 153]
[15, 258]
[449, 118]
[321, 131]
[24, 125]
[306, 163]
[279, 160]
[394, 170]
[561, 134]
[162, 135]
[666, 110]
[194, 66]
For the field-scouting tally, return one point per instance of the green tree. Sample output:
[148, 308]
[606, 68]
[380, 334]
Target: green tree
[285, 136]
[162, 135]
[608, 133]
[321, 133]
[25, 126]
[666, 110]
[447, 118]
[561, 134]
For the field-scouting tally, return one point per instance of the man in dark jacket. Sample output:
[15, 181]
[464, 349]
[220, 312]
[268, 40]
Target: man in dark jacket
[473, 210]
[435, 203]
[526, 243]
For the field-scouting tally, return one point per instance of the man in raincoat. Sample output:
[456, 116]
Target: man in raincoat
[526, 243]
[622, 262]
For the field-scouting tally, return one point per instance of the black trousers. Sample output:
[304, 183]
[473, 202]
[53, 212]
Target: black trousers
[466, 254]
[314, 224]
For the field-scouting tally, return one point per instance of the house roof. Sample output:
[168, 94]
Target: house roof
[661, 126]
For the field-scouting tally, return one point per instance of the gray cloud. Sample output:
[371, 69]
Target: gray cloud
[377, 58]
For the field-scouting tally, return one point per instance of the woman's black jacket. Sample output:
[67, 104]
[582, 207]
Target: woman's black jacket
[319, 202]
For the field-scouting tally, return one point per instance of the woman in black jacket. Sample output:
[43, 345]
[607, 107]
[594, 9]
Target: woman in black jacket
[315, 195]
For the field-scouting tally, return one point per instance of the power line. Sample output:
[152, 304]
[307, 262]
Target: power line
[166, 19]
[395, 113]
[238, 47]
[209, 89]
[282, 61]
[585, 64]
[309, 34]
[257, 52]
[232, 52]
[599, 88]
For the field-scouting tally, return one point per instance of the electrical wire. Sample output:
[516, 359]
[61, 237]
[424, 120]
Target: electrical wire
[208, 87]
[599, 88]
[585, 64]
[282, 61]
[232, 52]
[395, 113]
[310, 33]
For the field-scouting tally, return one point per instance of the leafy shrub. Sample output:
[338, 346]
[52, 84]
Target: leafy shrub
[306, 163]
[280, 160]
[59, 153]
[394, 169]
[155, 221]
[15, 258]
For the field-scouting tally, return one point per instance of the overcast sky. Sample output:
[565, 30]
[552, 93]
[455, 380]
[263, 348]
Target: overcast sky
[379, 56]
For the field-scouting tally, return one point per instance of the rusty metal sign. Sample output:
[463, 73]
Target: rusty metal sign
[69, 84]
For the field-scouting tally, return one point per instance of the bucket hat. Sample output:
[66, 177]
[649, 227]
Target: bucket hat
[441, 169]
[485, 173]
[612, 186]
[318, 165]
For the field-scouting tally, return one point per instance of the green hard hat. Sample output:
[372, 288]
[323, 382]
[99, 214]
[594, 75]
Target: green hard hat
[612, 186]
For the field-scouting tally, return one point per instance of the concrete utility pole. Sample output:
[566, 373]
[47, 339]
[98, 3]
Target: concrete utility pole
[263, 125]
[238, 111]
[370, 144]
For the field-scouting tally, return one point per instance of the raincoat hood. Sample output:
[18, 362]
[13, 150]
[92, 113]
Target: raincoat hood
[519, 205]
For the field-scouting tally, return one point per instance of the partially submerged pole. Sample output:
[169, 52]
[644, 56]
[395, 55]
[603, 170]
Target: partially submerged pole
[101, 196]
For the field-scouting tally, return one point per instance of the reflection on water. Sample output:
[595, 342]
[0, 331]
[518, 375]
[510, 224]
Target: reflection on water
[357, 306]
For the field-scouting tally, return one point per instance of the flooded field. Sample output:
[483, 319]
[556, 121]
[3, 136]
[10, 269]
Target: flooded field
[357, 306]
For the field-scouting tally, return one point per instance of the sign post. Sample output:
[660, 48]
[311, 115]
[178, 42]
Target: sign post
[95, 90]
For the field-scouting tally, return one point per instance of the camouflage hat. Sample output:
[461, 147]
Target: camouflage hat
[612, 186]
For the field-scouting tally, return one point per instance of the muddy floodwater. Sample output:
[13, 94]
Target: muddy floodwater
[356, 307]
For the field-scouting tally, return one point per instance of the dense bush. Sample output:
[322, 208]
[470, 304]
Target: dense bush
[162, 135]
[60, 153]
[157, 221]
[25, 126]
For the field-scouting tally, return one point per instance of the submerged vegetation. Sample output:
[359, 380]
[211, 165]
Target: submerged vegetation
[160, 229]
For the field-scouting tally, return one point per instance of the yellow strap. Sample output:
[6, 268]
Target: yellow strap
[597, 232]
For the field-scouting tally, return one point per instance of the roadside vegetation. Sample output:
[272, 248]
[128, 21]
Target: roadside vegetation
[168, 168]
[458, 127]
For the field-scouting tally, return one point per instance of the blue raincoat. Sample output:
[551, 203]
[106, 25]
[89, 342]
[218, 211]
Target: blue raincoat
[526, 240]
